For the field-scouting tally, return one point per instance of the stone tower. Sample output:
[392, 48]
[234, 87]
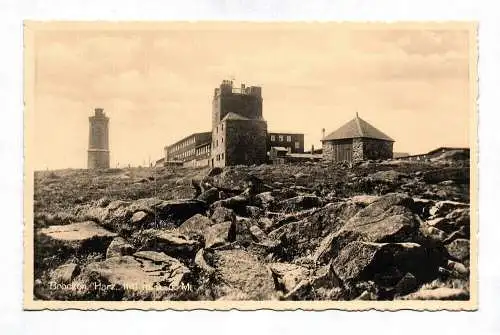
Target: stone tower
[239, 132]
[98, 153]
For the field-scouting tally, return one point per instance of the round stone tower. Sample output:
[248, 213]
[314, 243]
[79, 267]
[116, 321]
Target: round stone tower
[98, 153]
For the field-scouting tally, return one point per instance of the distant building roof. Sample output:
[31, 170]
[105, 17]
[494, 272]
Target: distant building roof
[447, 149]
[357, 128]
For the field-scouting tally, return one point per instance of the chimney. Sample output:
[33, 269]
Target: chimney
[99, 111]
[312, 149]
[323, 132]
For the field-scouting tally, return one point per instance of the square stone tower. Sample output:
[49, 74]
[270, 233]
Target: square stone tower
[98, 152]
[239, 131]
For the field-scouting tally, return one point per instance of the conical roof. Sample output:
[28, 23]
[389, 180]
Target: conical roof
[357, 128]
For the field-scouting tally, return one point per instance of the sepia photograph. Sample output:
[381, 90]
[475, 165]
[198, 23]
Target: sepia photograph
[250, 165]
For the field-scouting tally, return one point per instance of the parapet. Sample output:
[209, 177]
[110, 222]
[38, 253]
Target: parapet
[227, 88]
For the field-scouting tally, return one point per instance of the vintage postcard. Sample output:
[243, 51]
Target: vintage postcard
[238, 165]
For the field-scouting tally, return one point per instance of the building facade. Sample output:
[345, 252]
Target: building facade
[239, 132]
[98, 151]
[188, 151]
[357, 140]
[292, 141]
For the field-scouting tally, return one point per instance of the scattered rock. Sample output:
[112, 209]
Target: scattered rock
[243, 276]
[287, 276]
[384, 263]
[265, 200]
[306, 234]
[406, 285]
[171, 242]
[364, 199]
[65, 274]
[440, 293]
[459, 175]
[300, 202]
[222, 214]
[388, 219]
[442, 208]
[253, 211]
[195, 225]
[119, 247]
[209, 196]
[138, 217]
[237, 203]
[220, 233]
[200, 261]
[459, 249]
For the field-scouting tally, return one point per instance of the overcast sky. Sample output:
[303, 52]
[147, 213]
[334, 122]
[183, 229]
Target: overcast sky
[156, 83]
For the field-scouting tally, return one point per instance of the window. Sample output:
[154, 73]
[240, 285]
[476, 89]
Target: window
[222, 140]
[273, 138]
[280, 138]
[289, 138]
[222, 126]
[297, 145]
[222, 156]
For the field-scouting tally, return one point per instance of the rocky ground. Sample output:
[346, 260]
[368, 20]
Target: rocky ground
[374, 231]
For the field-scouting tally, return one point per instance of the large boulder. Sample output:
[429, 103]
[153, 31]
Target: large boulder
[220, 233]
[78, 237]
[170, 242]
[389, 219]
[242, 276]
[384, 263]
[302, 237]
[195, 225]
[287, 276]
[143, 275]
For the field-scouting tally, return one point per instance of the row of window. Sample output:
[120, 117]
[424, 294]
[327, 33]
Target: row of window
[183, 144]
[185, 154]
[220, 157]
[203, 150]
[281, 138]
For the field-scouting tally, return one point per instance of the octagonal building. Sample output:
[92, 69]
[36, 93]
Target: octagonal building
[357, 140]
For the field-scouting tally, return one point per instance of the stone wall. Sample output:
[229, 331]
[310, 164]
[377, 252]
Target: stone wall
[338, 150]
[377, 149]
[245, 142]
[328, 151]
[357, 149]
[98, 159]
